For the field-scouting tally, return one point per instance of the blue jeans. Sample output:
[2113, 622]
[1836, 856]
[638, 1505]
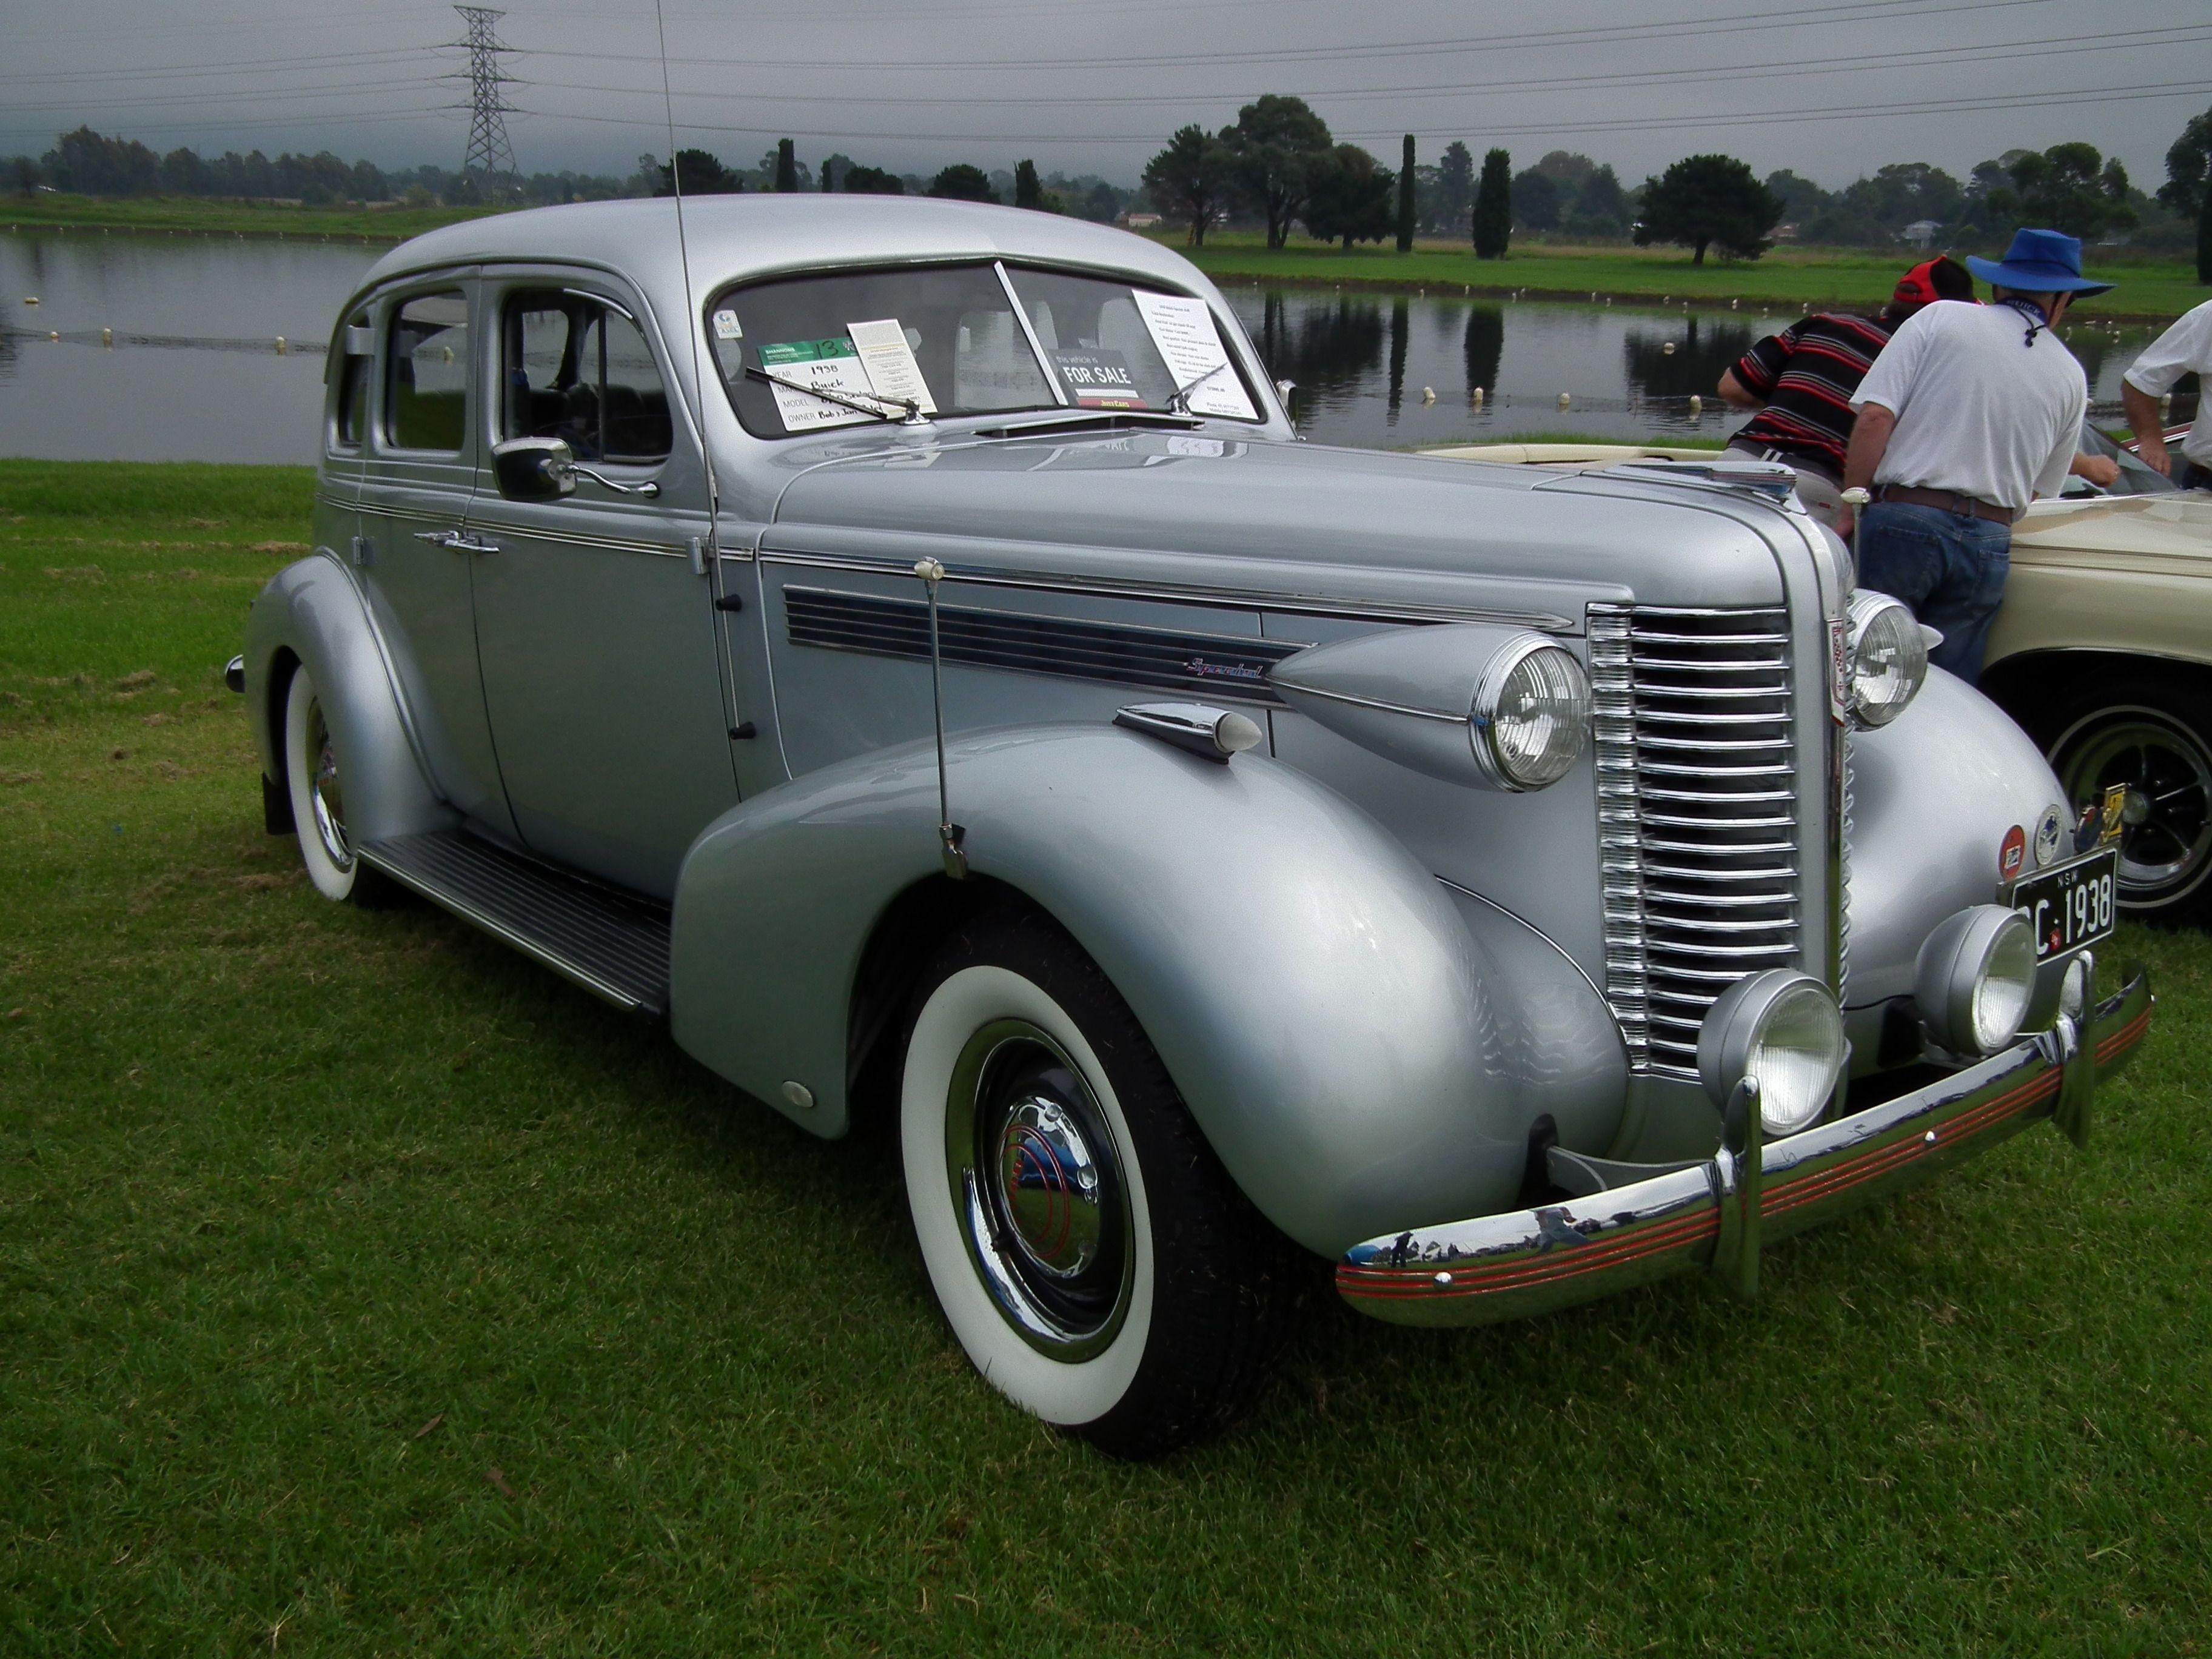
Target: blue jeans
[1949, 570]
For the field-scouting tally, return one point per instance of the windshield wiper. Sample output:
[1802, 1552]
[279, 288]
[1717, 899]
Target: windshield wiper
[1179, 399]
[912, 414]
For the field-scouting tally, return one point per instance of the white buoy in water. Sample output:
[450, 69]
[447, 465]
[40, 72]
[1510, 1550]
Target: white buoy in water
[1697, 407]
[281, 347]
[108, 336]
[1428, 394]
[1564, 400]
[30, 299]
[1667, 348]
[1476, 398]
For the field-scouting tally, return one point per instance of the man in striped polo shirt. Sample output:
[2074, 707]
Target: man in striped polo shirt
[1802, 381]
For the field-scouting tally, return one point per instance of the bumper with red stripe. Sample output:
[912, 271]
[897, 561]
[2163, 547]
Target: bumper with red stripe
[1716, 1215]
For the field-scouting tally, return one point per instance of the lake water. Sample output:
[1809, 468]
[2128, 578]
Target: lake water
[194, 374]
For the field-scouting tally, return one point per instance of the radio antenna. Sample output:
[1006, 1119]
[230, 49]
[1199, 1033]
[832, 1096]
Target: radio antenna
[713, 555]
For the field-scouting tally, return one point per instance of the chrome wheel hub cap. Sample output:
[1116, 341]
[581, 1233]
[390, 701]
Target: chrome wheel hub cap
[1048, 1187]
[323, 786]
[2166, 838]
[1035, 1178]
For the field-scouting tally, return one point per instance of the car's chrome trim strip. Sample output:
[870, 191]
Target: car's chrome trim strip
[1171, 593]
[1216, 666]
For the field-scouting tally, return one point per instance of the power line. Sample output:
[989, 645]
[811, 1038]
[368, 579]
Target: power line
[1851, 62]
[489, 153]
[1847, 111]
[1849, 11]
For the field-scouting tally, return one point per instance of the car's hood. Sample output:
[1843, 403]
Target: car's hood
[2151, 535]
[1258, 517]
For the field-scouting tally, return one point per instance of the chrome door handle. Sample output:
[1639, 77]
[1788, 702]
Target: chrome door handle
[438, 537]
[464, 543]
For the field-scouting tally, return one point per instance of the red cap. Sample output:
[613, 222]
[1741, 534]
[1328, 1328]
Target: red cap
[1917, 287]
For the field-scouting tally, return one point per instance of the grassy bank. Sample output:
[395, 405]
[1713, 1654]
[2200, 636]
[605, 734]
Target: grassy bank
[2155, 291]
[202, 216]
[364, 1289]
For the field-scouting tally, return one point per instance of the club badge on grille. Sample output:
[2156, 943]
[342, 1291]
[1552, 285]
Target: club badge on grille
[1839, 668]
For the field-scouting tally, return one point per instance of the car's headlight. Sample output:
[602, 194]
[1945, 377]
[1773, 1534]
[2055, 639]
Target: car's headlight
[1783, 1030]
[1889, 658]
[1531, 715]
[1975, 978]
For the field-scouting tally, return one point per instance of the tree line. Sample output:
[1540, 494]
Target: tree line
[89, 163]
[1277, 167]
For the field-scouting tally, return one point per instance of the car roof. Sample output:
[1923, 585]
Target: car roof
[731, 237]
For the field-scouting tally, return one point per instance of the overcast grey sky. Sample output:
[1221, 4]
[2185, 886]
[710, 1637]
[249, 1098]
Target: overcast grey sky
[1833, 90]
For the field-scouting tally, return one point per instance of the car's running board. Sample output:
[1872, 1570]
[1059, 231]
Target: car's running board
[614, 945]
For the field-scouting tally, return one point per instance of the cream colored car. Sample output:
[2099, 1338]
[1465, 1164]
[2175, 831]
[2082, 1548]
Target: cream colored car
[2103, 653]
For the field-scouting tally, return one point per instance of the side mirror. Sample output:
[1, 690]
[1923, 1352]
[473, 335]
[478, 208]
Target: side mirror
[534, 469]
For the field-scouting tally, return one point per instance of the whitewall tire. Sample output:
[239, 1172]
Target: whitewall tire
[1088, 1253]
[317, 789]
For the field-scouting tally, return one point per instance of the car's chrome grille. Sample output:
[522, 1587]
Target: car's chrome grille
[1698, 814]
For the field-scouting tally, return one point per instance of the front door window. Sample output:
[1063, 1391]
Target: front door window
[577, 370]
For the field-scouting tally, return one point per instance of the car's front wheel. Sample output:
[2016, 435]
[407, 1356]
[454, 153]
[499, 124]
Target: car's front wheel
[2151, 733]
[318, 809]
[1088, 1249]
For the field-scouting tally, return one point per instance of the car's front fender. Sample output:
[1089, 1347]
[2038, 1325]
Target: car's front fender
[1350, 1046]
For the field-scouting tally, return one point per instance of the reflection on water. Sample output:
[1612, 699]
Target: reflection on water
[1485, 346]
[1372, 370]
[1365, 364]
[1687, 360]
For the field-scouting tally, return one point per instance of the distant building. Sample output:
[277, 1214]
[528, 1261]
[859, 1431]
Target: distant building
[1784, 234]
[1921, 232]
[1140, 220]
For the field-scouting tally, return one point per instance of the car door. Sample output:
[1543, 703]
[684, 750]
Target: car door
[595, 616]
[416, 477]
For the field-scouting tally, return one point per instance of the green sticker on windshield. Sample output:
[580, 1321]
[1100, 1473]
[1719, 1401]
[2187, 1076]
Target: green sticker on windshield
[807, 351]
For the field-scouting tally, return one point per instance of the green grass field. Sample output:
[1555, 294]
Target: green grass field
[2145, 290]
[364, 1289]
[203, 216]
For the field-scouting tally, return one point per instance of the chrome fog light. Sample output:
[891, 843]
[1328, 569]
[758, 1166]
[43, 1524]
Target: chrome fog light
[1975, 978]
[1783, 1030]
[1531, 715]
[1889, 658]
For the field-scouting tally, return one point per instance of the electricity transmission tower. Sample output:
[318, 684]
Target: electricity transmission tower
[490, 153]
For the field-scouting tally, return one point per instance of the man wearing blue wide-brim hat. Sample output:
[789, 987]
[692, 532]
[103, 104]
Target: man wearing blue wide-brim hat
[1969, 414]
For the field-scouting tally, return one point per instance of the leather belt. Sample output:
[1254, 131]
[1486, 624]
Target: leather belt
[1947, 501]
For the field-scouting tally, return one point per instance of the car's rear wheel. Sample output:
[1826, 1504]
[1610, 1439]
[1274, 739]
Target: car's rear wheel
[2150, 733]
[1088, 1249]
[317, 794]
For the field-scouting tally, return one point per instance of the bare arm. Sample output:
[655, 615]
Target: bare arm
[1736, 395]
[1870, 435]
[2144, 420]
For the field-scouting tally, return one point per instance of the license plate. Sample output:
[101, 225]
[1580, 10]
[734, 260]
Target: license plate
[2073, 906]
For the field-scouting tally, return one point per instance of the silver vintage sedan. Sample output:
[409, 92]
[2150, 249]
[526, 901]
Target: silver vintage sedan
[904, 646]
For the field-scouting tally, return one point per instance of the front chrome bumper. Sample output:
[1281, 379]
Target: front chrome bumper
[1716, 1215]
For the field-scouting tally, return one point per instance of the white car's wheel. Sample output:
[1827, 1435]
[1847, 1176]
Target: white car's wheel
[1090, 1253]
[317, 794]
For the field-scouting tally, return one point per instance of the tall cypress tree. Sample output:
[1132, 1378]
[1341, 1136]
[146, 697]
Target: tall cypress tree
[786, 167]
[1493, 206]
[1405, 198]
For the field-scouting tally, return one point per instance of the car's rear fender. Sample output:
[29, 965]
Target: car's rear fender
[311, 614]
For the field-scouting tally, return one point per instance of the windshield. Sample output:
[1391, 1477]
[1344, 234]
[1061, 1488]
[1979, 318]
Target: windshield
[947, 340]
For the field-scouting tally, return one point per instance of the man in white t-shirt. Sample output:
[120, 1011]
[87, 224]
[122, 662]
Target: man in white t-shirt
[2184, 348]
[1968, 414]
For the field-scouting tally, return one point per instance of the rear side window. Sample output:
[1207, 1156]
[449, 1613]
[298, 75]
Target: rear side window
[577, 369]
[426, 398]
